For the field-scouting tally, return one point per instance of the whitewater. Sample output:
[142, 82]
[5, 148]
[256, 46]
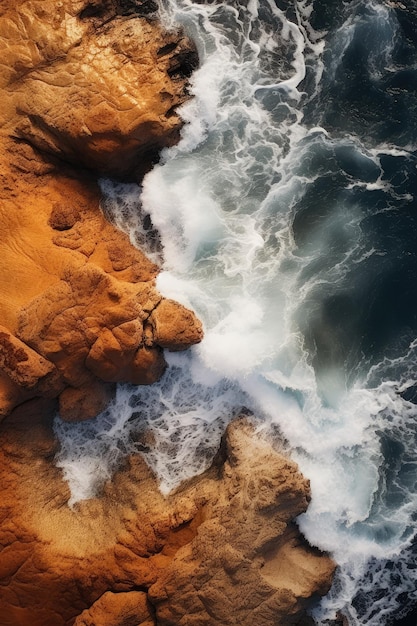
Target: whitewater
[287, 221]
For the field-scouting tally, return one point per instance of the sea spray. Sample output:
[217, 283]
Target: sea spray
[286, 220]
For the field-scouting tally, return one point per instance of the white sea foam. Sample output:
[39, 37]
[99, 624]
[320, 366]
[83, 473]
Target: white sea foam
[245, 246]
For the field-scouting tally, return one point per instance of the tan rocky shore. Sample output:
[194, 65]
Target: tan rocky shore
[223, 550]
[90, 89]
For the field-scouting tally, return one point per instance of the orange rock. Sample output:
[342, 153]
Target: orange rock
[221, 550]
[95, 84]
[90, 85]
[24, 373]
[85, 402]
[174, 327]
[248, 564]
[90, 88]
[118, 609]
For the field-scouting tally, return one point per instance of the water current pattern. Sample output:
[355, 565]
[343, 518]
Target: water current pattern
[287, 219]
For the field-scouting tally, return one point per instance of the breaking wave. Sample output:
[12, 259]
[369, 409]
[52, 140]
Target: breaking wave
[287, 218]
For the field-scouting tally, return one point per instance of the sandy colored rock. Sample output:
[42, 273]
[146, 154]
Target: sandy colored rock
[248, 563]
[222, 550]
[173, 326]
[91, 89]
[87, 89]
[95, 83]
[24, 373]
[85, 402]
[23, 366]
[118, 609]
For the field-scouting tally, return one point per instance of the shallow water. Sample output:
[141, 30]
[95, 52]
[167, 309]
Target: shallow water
[287, 216]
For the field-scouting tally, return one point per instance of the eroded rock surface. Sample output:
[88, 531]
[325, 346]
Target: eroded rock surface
[96, 83]
[87, 89]
[91, 89]
[223, 550]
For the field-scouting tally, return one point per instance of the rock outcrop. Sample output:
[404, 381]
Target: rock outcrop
[87, 89]
[90, 89]
[223, 550]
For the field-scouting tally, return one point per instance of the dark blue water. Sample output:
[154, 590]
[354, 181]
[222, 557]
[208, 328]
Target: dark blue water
[369, 92]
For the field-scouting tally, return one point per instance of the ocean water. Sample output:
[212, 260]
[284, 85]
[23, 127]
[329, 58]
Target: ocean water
[287, 219]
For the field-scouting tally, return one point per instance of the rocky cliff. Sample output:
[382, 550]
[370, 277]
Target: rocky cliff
[90, 89]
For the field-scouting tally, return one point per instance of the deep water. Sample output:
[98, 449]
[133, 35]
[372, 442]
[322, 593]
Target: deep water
[288, 222]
